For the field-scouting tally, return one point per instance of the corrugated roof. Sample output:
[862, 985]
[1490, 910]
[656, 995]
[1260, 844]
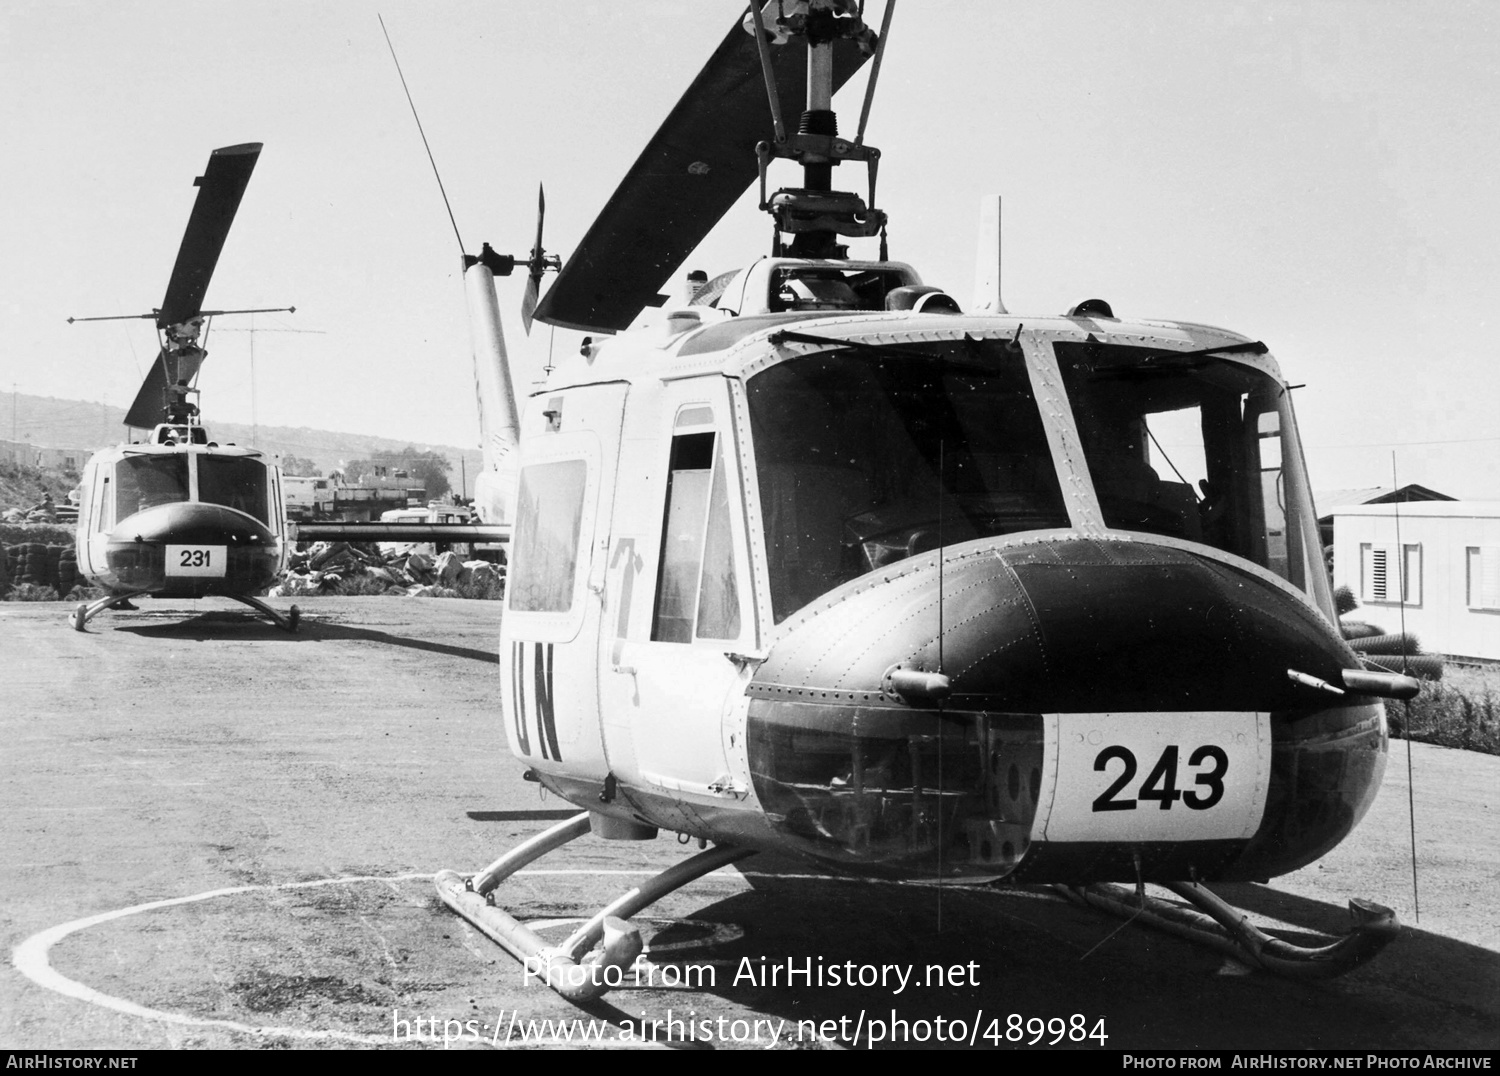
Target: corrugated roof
[1329, 500]
[1426, 510]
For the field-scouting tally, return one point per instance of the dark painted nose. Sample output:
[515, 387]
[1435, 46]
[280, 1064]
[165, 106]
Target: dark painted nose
[138, 550]
[1069, 625]
[1026, 628]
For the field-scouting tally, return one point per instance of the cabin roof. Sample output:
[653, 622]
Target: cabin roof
[738, 347]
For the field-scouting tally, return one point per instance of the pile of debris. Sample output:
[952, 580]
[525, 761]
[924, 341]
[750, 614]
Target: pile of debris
[45, 512]
[359, 568]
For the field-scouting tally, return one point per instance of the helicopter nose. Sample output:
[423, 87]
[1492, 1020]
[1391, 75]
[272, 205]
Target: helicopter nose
[189, 548]
[1060, 709]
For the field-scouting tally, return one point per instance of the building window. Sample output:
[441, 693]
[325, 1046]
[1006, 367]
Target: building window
[1373, 573]
[1484, 577]
[1383, 577]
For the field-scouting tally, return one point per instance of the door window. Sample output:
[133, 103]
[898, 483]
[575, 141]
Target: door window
[696, 594]
[549, 513]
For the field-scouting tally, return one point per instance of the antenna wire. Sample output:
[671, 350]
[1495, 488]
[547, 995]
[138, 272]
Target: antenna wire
[441, 190]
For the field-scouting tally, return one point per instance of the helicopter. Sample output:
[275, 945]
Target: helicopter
[822, 562]
[178, 515]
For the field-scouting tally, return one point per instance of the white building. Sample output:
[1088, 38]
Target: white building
[1440, 559]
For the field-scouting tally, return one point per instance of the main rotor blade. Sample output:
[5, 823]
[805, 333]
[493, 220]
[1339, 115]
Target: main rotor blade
[150, 403]
[220, 189]
[691, 172]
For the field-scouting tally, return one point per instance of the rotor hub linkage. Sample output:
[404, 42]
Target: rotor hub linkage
[505, 264]
[815, 213]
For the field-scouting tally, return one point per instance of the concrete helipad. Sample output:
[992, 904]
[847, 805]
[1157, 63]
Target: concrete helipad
[217, 834]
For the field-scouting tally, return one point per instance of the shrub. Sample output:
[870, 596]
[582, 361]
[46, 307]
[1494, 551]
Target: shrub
[489, 588]
[359, 585]
[1463, 712]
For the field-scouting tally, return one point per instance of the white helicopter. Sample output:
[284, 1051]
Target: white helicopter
[824, 563]
[179, 515]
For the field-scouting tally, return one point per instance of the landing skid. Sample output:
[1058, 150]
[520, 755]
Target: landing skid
[285, 623]
[84, 613]
[1221, 926]
[575, 969]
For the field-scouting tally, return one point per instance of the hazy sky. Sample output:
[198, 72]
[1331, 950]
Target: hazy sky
[1321, 176]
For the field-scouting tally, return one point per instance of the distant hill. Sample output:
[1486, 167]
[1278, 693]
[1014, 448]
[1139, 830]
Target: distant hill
[54, 423]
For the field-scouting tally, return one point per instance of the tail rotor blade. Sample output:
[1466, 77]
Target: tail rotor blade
[541, 215]
[528, 301]
[537, 265]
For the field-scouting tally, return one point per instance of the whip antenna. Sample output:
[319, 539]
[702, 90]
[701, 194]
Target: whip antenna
[941, 707]
[420, 131]
[1411, 793]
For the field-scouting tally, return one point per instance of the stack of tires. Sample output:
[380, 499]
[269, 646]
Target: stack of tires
[34, 565]
[1380, 651]
[1398, 652]
[37, 564]
[67, 570]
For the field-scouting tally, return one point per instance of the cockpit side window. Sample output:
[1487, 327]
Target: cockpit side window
[868, 455]
[146, 481]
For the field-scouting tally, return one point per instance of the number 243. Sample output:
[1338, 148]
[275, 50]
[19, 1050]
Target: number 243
[1161, 782]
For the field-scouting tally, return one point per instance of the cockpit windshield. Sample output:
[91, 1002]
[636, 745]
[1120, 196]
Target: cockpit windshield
[146, 481]
[866, 455]
[237, 482]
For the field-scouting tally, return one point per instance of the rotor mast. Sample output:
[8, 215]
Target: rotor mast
[815, 214]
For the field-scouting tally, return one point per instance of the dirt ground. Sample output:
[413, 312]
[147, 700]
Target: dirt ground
[221, 835]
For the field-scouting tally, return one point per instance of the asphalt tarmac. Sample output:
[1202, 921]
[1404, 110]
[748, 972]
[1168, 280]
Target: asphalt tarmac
[220, 835]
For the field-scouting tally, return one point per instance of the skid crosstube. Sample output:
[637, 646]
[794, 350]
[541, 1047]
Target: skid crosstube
[575, 969]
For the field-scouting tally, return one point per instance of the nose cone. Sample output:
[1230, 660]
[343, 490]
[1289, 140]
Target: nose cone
[190, 549]
[1123, 631]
